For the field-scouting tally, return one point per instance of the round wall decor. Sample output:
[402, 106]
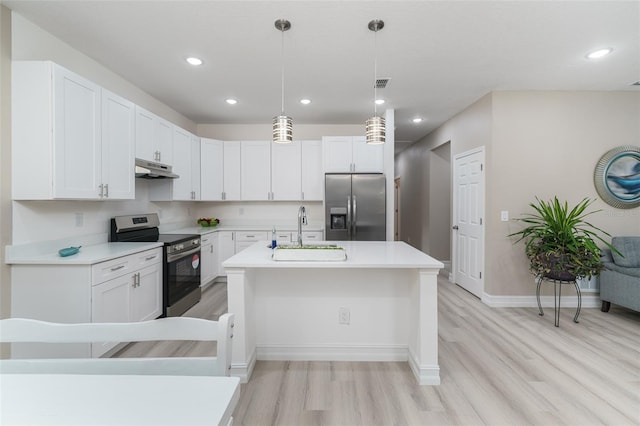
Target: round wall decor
[617, 177]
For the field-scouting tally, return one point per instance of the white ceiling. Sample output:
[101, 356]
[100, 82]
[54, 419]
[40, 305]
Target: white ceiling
[440, 55]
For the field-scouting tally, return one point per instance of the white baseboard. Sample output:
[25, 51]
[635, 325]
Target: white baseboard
[425, 375]
[243, 370]
[332, 353]
[588, 301]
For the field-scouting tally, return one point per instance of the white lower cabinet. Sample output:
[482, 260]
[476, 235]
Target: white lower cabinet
[246, 239]
[226, 249]
[209, 253]
[124, 289]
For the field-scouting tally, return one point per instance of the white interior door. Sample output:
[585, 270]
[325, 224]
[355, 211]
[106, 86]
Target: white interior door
[468, 227]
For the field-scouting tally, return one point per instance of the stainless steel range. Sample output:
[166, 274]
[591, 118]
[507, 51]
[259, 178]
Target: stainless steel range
[181, 270]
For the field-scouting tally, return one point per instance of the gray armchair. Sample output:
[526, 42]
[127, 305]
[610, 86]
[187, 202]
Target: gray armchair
[620, 280]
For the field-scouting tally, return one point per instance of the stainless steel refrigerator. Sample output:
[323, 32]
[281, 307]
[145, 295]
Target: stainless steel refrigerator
[355, 207]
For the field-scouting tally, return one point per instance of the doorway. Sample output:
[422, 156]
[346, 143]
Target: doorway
[468, 227]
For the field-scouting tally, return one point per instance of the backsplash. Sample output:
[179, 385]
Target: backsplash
[35, 221]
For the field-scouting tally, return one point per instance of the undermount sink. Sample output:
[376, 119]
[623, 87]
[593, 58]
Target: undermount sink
[315, 252]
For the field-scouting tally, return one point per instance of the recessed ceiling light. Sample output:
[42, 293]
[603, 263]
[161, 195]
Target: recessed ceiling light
[599, 53]
[231, 101]
[417, 120]
[305, 101]
[379, 101]
[194, 61]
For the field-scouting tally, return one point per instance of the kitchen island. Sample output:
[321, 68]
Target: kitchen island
[380, 304]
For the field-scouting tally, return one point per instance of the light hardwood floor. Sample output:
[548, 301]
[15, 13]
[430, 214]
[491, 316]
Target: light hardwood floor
[498, 366]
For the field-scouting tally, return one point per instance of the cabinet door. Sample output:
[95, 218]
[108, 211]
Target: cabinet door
[312, 181]
[367, 158]
[231, 181]
[211, 169]
[146, 297]
[210, 258]
[77, 134]
[255, 170]
[163, 131]
[110, 302]
[226, 246]
[286, 171]
[145, 135]
[118, 147]
[338, 155]
[195, 166]
[182, 164]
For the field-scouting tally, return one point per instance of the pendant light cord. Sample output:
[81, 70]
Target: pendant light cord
[282, 63]
[375, 73]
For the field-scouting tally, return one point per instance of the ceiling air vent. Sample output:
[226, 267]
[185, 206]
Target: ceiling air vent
[381, 83]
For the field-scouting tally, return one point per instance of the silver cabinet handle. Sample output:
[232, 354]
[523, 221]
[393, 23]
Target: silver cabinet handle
[150, 258]
[106, 190]
[101, 186]
[117, 268]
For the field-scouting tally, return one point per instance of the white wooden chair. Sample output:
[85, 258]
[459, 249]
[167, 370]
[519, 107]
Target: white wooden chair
[14, 330]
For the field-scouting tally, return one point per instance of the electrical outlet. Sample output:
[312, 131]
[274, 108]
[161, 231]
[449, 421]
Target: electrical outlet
[79, 220]
[504, 215]
[344, 316]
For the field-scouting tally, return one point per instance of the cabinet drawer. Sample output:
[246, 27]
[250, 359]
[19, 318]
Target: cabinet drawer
[206, 239]
[312, 236]
[283, 237]
[253, 236]
[147, 258]
[111, 269]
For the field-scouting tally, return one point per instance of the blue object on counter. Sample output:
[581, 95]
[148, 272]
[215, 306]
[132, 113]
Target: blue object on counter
[274, 242]
[68, 251]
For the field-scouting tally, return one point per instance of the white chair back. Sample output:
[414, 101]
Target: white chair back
[14, 330]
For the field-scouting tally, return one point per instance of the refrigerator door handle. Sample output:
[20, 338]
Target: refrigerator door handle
[354, 220]
[349, 217]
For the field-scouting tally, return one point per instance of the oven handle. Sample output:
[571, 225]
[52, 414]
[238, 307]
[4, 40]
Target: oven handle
[174, 257]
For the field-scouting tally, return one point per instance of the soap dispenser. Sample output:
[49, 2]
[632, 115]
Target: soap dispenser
[274, 243]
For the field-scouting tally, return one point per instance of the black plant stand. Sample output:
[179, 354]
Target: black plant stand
[557, 289]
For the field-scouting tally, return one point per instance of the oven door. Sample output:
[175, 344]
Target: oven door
[181, 280]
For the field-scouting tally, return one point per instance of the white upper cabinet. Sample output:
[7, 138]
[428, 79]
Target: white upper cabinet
[118, 147]
[183, 165]
[312, 175]
[195, 167]
[347, 154]
[231, 171]
[367, 158]
[211, 169]
[286, 171]
[255, 170]
[154, 137]
[59, 148]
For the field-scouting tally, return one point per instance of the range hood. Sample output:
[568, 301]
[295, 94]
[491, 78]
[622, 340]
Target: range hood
[149, 170]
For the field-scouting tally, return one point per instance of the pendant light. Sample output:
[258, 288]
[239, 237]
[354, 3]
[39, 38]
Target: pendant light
[282, 124]
[375, 126]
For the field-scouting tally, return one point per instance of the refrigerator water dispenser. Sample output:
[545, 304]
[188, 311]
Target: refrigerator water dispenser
[338, 217]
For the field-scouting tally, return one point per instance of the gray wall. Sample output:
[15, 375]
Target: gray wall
[536, 144]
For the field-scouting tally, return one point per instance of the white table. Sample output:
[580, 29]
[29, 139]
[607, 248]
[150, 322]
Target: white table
[290, 310]
[68, 399]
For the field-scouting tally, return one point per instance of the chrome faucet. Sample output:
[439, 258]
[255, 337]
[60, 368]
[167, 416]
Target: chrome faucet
[302, 220]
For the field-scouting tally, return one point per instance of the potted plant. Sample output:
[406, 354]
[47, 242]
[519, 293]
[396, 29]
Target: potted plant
[559, 243]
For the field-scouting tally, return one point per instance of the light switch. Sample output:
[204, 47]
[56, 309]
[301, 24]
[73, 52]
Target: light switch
[504, 215]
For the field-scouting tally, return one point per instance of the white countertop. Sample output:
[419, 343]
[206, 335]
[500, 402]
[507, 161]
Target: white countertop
[88, 255]
[360, 254]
